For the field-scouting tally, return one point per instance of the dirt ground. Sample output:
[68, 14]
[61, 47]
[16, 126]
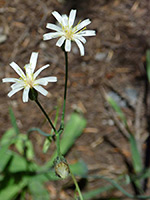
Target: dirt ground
[114, 62]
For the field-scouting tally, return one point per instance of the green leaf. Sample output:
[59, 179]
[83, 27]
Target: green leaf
[47, 144]
[12, 188]
[73, 130]
[93, 193]
[148, 64]
[18, 163]
[115, 106]
[24, 146]
[136, 157]
[8, 137]
[114, 184]
[38, 191]
[4, 156]
[79, 168]
[13, 120]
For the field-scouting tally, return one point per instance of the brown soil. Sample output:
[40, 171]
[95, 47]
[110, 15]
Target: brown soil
[114, 61]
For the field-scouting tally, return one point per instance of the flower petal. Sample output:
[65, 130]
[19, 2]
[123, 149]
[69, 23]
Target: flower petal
[40, 70]
[41, 89]
[33, 60]
[9, 80]
[17, 85]
[28, 69]
[82, 24]
[88, 33]
[17, 69]
[68, 45]
[60, 41]
[49, 36]
[53, 27]
[72, 16]
[81, 47]
[79, 37]
[57, 16]
[13, 91]
[65, 20]
[25, 96]
[46, 80]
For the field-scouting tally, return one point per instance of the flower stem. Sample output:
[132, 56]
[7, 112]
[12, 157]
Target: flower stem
[77, 186]
[53, 127]
[65, 91]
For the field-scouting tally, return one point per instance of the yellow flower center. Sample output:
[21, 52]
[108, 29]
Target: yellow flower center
[68, 32]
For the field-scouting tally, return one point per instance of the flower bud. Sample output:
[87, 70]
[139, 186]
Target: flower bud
[33, 94]
[61, 168]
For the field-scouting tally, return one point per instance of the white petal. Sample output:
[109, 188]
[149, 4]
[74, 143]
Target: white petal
[88, 33]
[41, 89]
[57, 16]
[82, 24]
[17, 69]
[25, 96]
[53, 27]
[46, 80]
[81, 47]
[65, 20]
[79, 37]
[68, 46]
[33, 60]
[12, 92]
[17, 85]
[28, 69]
[72, 16]
[60, 41]
[49, 36]
[40, 70]
[9, 80]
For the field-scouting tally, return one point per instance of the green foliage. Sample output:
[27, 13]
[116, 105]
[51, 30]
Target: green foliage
[115, 106]
[38, 191]
[19, 171]
[73, 129]
[79, 168]
[13, 121]
[136, 158]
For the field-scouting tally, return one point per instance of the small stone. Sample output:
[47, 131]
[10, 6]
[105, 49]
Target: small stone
[100, 56]
[3, 38]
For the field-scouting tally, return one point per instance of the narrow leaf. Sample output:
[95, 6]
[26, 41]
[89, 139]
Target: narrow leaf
[115, 106]
[13, 120]
[137, 162]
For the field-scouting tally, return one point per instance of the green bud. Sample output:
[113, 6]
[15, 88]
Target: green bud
[61, 168]
[33, 94]
[63, 47]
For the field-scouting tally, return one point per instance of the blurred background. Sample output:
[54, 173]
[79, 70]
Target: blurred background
[114, 60]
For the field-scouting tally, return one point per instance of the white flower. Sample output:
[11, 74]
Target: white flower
[67, 32]
[28, 80]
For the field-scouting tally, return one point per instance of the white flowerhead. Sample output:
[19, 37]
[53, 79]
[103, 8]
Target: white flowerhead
[67, 32]
[28, 79]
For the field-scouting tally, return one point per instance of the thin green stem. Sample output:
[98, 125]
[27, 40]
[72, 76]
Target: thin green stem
[53, 127]
[77, 186]
[65, 91]
[58, 144]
